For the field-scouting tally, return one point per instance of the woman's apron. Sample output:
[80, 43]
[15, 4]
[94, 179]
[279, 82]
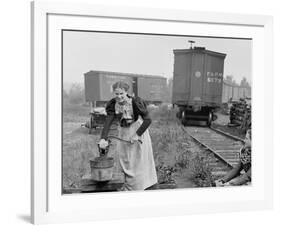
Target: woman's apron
[136, 160]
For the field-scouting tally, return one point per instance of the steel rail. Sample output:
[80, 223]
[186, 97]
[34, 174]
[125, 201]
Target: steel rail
[227, 134]
[209, 148]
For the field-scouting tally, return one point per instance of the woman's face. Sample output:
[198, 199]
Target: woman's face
[120, 94]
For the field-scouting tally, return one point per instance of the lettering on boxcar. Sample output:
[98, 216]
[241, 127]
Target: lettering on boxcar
[214, 77]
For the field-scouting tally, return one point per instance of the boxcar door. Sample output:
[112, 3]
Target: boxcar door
[196, 83]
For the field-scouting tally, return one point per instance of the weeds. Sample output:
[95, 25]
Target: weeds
[75, 113]
[165, 174]
[201, 171]
[197, 163]
[174, 152]
[164, 114]
[76, 155]
[183, 160]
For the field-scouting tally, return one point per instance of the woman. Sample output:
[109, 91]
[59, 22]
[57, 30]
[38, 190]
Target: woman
[234, 177]
[136, 159]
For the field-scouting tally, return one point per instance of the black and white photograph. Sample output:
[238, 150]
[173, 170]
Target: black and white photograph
[140, 112]
[144, 112]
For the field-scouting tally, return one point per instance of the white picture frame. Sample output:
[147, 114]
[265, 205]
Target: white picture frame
[48, 205]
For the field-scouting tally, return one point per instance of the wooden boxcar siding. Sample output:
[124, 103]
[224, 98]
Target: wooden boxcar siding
[245, 92]
[151, 89]
[106, 83]
[235, 93]
[92, 87]
[197, 78]
[213, 82]
[98, 85]
[241, 92]
[226, 92]
[181, 78]
[249, 92]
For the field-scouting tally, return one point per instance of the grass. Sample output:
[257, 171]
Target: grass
[200, 170]
[178, 159]
[75, 113]
[76, 155]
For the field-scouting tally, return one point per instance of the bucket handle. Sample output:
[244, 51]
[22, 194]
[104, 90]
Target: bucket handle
[120, 139]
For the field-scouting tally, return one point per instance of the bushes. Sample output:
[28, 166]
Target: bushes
[77, 151]
[200, 170]
[165, 174]
[75, 95]
[176, 155]
[197, 165]
[164, 113]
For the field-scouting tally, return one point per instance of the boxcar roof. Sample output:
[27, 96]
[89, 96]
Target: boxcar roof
[124, 74]
[201, 50]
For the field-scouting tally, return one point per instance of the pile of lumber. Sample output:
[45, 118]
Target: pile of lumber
[240, 114]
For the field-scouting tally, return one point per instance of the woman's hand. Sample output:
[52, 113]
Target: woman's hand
[103, 143]
[219, 183]
[135, 138]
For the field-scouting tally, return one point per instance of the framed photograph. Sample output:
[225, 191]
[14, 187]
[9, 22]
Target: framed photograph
[140, 112]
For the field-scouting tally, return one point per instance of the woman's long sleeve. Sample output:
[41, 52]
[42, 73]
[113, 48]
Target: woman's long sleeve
[110, 110]
[243, 179]
[233, 173]
[142, 110]
[106, 126]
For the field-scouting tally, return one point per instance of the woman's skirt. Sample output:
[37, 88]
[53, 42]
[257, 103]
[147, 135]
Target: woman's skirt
[136, 160]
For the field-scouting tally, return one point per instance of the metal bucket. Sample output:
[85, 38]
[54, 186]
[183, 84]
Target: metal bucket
[102, 168]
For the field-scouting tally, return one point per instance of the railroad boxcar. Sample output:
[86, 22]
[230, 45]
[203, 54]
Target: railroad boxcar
[227, 92]
[98, 90]
[233, 92]
[197, 83]
[98, 86]
[244, 92]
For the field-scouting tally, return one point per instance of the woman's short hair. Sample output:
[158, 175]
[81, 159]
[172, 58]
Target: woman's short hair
[122, 85]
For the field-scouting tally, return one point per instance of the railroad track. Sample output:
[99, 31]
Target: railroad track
[223, 146]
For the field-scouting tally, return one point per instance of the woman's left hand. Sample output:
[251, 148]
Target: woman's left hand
[135, 138]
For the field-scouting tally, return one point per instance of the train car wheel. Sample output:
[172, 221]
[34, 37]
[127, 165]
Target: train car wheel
[210, 118]
[91, 124]
[180, 113]
[184, 120]
[215, 117]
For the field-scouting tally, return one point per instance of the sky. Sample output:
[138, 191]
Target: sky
[144, 54]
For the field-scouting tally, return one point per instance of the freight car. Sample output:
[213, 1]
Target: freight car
[197, 83]
[232, 92]
[98, 90]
